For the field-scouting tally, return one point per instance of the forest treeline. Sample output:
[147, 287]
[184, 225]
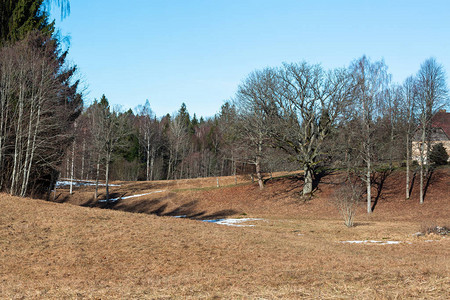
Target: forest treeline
[288, 117]
[295, 116]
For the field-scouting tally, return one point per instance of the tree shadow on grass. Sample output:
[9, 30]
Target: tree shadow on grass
[357, 224]
[379, 179]
[318, 178]
[159, 206]
[411, 186]
[58, 198]
[430, 180]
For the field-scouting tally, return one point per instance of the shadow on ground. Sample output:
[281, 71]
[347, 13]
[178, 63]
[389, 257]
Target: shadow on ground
[158, 206]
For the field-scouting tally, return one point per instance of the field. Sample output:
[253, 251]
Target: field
[135, 248]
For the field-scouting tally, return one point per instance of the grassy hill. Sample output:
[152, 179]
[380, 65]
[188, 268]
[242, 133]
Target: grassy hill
[52, 250]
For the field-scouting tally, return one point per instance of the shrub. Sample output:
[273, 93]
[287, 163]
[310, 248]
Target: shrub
[438, 155]
[347, 199]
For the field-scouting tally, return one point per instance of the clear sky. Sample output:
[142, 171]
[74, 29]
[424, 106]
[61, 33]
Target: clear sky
[198, 52]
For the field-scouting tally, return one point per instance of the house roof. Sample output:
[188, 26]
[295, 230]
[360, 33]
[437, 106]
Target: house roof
[442, 120]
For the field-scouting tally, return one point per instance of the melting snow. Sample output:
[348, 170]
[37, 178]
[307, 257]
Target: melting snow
[81, 183]
[232, 222]
[372, 242]
[132, 196]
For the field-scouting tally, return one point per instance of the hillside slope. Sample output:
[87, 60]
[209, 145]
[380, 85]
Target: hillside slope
[201, 199]
[55, 251]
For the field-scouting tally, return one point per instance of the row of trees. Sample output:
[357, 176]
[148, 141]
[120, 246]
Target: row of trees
[353, 117]
[38, 99]
[289, 117]
[350, 117]
[123, 145]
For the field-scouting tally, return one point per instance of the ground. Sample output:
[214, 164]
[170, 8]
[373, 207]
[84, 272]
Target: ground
[135, 248]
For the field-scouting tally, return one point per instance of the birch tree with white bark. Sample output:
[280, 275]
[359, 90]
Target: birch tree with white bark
[432, 94]
[370, 81]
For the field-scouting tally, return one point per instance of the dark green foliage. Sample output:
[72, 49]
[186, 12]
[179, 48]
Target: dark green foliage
[183, 114]
[193, 124]
[439, 155]
[19, 17]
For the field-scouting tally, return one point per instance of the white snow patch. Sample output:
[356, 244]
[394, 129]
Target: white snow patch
[372, 242]
[232, 222]
[182, 216]
[132, 196]
[80, 183]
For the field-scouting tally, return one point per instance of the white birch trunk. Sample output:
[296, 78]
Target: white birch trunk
[72, 167]
[97, 177]
[407, 165]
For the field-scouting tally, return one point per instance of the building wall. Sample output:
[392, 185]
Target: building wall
[416, 149]
[437, 136]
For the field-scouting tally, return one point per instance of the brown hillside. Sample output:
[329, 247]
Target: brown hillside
[60, 251]
[199, 198]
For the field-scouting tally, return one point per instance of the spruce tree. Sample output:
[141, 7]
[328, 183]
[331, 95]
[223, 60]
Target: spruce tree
[19, 17]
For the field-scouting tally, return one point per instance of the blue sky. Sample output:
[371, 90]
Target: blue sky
[198, 52]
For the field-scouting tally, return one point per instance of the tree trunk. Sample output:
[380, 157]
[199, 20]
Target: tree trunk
[67, 167]
[148, 159]
[33, 149]
[307, 186]
[152, 163]
[82, 160]
[72, 167]
[97, 176]
[391, 145]
[3, 121]
[407, 165]
[17, 146]
[258, 166]
[369, 187]
[169, 169]
[28, 149]
[422, 162]
[108, 156]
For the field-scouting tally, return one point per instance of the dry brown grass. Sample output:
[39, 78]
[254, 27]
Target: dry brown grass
[57, 251]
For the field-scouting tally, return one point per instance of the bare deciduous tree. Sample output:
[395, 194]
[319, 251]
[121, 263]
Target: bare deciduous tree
[432, 94]
[370, 82]
[147, 133]
[303, 102]
[254, 94]
[409, 107]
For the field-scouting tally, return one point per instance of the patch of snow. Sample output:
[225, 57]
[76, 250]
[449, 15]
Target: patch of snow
[80, 183]
[232, 222]
[391, 243]
[132, 196]
[372, 242]
[182, 216]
